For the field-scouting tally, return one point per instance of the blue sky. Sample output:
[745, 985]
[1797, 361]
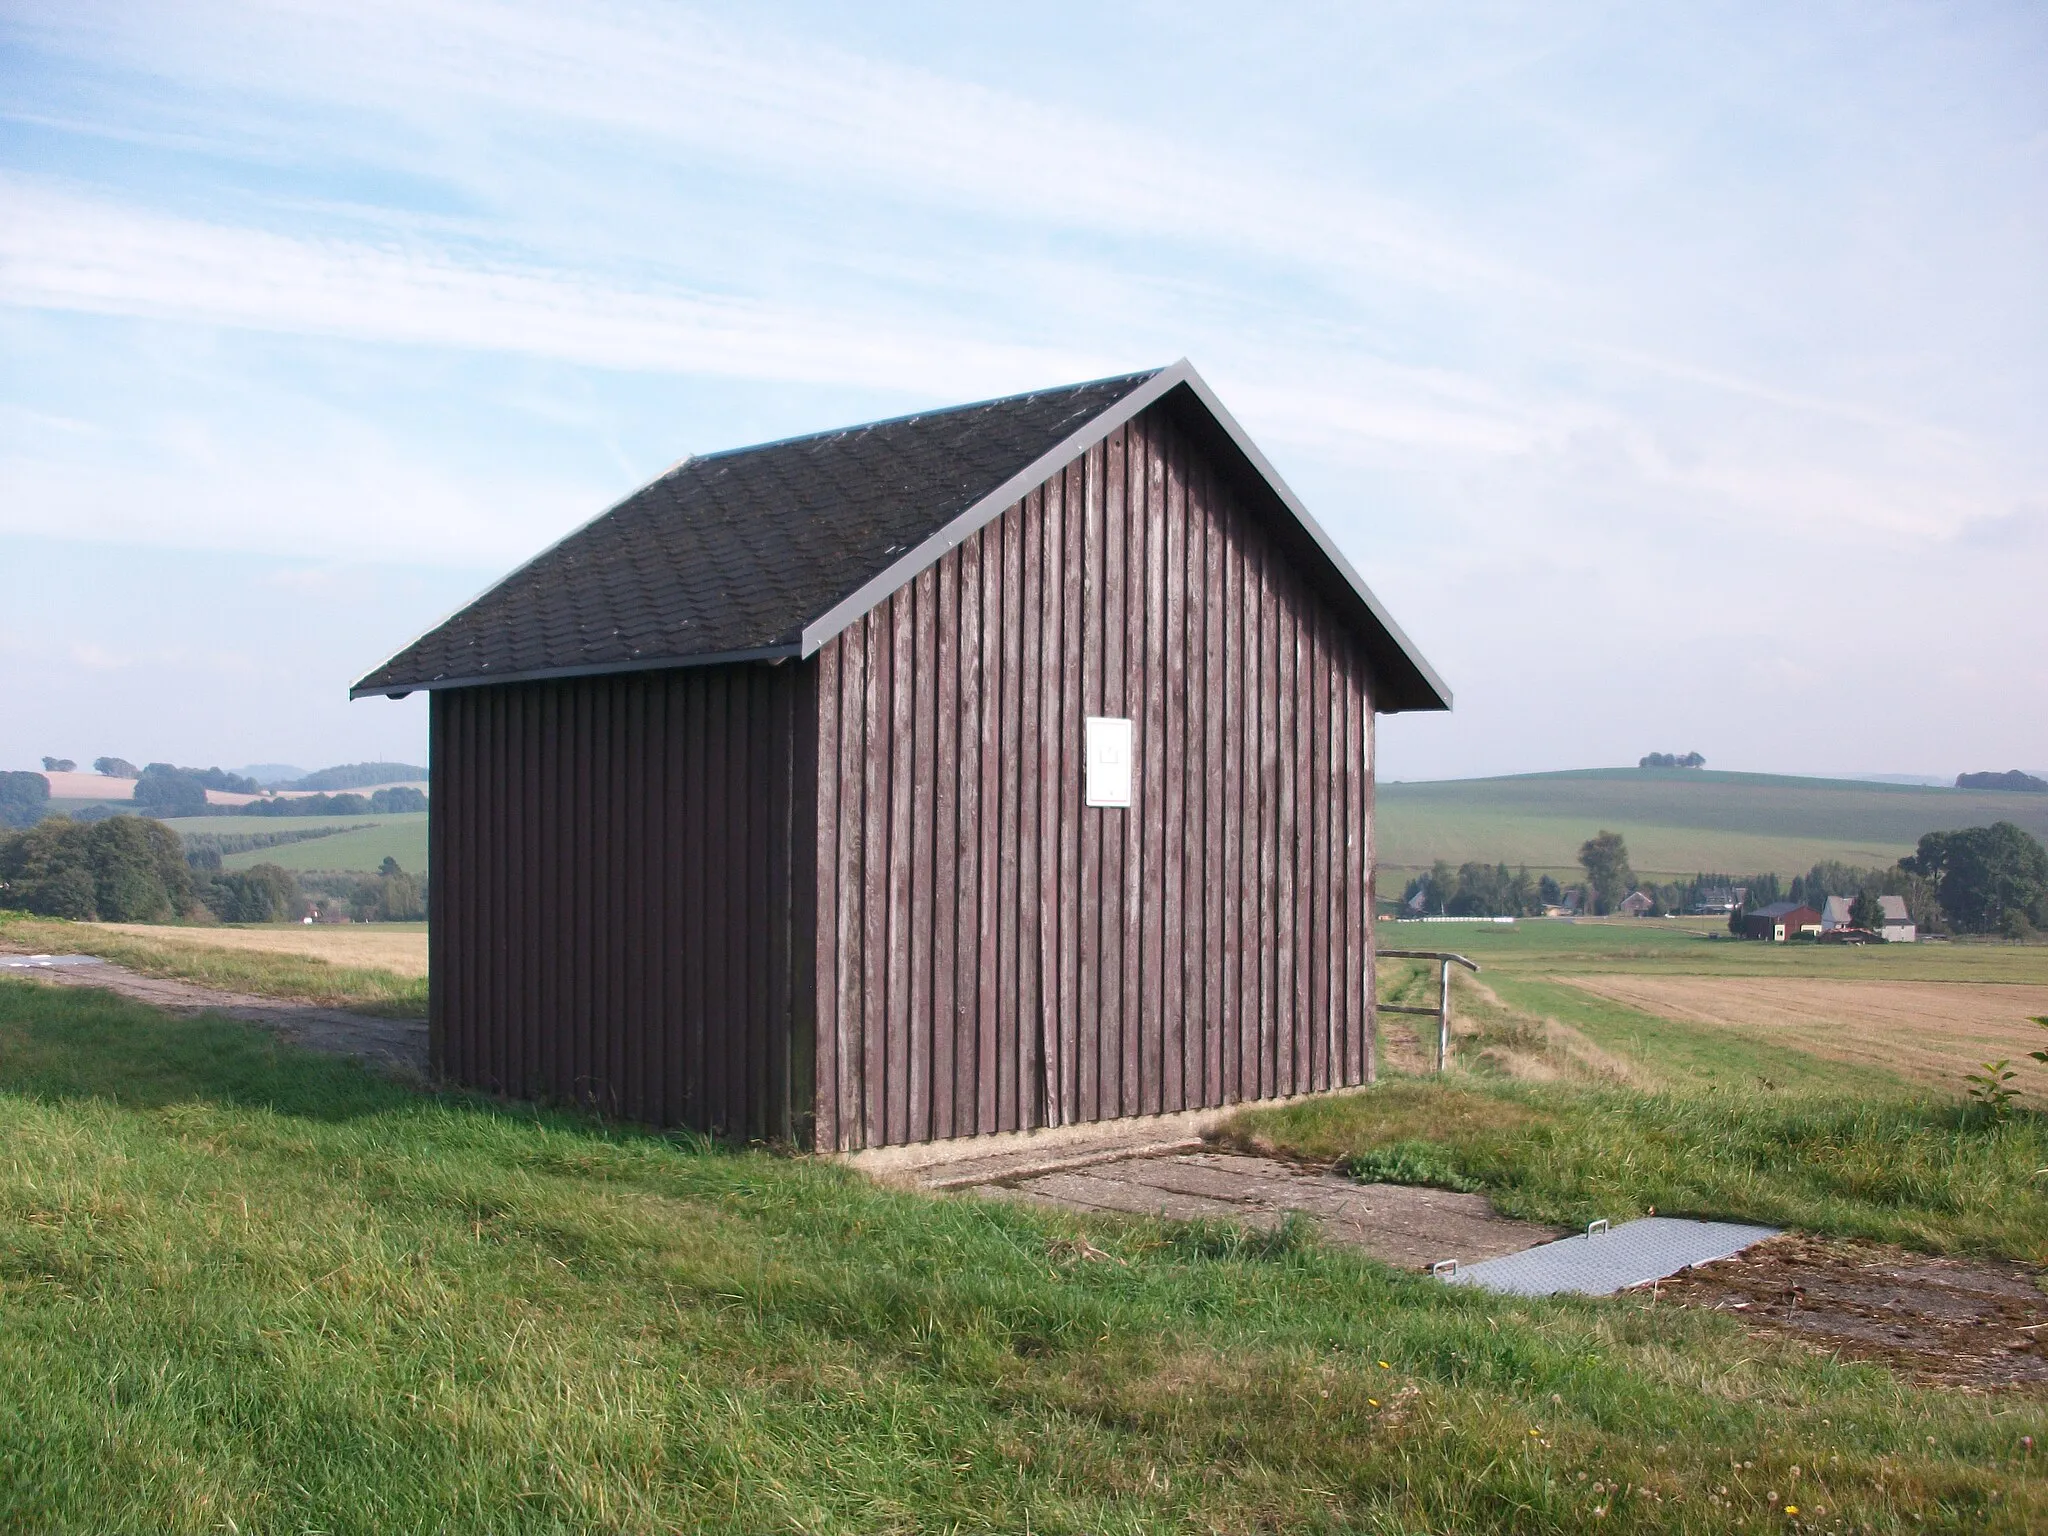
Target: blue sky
[1677, 375]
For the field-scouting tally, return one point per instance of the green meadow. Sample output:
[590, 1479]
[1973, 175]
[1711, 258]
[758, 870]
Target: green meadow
[1678, 821]
[243, 1288]
[353, 843]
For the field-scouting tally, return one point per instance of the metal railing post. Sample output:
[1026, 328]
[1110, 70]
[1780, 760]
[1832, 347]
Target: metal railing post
[1442, 1010]
[1443, 1020]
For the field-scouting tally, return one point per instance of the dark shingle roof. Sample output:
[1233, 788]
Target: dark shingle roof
[770, 550]
[736, 552]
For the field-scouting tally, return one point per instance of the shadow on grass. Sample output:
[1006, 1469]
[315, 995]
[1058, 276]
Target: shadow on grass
[69, 1043]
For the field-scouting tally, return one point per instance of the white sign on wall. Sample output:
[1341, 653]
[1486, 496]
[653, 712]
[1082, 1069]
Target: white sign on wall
[1109, 762]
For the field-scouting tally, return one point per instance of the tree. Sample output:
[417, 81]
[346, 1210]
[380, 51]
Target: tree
[139, 871]
[1865, 913]
[1549, 892]
[169, 791]
[1605, 859]
[58, 765]
[23, 799]
[265, 893]
[1981, 874]
[115, 767]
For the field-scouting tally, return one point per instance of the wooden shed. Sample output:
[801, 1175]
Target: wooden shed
[989, 768]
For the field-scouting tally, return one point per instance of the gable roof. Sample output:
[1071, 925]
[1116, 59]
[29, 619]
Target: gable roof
[768, 552]
[1894, 909]
[1784, 909]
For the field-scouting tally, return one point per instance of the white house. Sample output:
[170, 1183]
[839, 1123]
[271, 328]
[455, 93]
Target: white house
[1897, 922]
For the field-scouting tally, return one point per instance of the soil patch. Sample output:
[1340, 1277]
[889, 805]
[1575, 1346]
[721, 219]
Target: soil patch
[1931, 1031]
[1948, 1322]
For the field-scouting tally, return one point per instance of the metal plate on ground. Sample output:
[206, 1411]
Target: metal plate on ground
[1633, 1253]
[46, 962]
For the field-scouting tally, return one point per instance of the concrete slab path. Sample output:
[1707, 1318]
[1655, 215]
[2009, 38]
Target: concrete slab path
[1397, 1224]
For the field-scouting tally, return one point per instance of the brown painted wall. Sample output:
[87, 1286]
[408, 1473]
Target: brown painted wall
[616, 918]
[989, 953]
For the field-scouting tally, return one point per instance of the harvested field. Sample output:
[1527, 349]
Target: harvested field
[1947, 1322]
[1927, 1031]
[400, 948]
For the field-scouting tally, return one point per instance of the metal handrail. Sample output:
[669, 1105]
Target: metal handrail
[1445, 960]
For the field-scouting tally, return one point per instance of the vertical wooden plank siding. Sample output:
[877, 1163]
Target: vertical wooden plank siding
[991, 954]
[619, 917]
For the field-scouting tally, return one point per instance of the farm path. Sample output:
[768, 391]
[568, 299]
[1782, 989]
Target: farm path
[1183, 1180]
[1929, 1030]
[398, 1043]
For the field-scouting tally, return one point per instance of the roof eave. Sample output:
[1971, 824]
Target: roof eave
[789, 651]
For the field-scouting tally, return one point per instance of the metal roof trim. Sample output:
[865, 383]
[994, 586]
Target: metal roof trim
[789, 652]
[1280, 488]
[996, 502]
[985, 511]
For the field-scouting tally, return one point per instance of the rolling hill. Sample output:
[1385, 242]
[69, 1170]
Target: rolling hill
[1679, 821]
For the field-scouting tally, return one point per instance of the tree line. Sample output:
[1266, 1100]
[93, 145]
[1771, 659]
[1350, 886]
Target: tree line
[131, 869]
[162, 789]
[1975, 880]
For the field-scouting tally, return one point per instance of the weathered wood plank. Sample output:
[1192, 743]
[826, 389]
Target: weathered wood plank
[1089, 1024]
[1029, 764]
[1068, 792]
[968, 974]
[1171, 684]
[945, 844]
[988, 1081]
[900, 636]
[924, 727]
[1113, 825]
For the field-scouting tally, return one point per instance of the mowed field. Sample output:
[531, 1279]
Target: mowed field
[1657, 1002]
[1678, 821]
[357, 842]
[1924, 1031]
[400, 948]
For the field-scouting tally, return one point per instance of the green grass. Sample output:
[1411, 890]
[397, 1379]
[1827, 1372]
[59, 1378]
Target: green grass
[357, 843]
[403, 838]
[245, 1288]
[1678, 822]
[1932, 1175]
[293, 978]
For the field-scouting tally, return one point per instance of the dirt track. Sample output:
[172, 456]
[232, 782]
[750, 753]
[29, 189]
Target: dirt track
[399, 1043]
[1932, 1031]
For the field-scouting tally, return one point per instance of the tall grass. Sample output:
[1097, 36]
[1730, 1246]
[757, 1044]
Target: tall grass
[242, 1287]
[1940, 1176]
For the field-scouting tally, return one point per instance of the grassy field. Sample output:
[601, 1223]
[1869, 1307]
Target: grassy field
[383, 974]
[357, 843]
[1678, 822]
[1601, 1070]
[244, 1288]
[400, 948]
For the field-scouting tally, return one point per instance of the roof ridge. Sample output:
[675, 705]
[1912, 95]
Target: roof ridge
[907, 417]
